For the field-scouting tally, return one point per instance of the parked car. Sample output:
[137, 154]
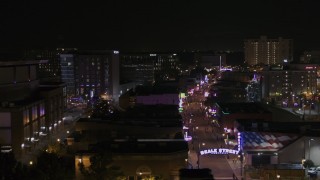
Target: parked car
[313, 171]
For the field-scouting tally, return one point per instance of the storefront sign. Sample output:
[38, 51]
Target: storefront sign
[219, 151]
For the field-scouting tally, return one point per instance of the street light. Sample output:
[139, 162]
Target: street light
[240, 156]
[227, 138]
[186, 160]
[203, 144]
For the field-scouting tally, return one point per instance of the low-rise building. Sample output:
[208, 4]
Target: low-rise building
[142, 158]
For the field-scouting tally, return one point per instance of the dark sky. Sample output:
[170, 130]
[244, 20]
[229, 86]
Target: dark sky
[157, 25]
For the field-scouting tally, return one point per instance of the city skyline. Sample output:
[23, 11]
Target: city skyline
[157, 26]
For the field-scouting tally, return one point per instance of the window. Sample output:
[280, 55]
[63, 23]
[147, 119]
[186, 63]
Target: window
[34, 113]
[27, 133]
[42, 109]
[26, 117]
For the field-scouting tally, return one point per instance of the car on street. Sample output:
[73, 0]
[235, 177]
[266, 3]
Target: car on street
[313, 171]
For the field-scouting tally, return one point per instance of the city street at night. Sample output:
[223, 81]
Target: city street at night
[206, 135]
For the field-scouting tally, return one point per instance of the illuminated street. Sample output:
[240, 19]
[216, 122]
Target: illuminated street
[206, 135]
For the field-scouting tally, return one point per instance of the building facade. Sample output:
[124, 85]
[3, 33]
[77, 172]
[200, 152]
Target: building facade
[268, 51]
[91, 73]
[166, 66]
[51, 70]
[25, 120]
[138, 68]
[290, 82]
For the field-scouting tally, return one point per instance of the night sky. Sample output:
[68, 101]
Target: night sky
[157, 25]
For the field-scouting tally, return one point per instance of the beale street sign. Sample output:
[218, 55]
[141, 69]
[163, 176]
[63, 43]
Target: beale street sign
[219, 151]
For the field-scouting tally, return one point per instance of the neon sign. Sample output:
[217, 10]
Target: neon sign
[309, 67]
[239, 141]
[219, 151]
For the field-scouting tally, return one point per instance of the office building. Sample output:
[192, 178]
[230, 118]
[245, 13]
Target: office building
[166, 66]
[91, 73]
[137, 68]
[49, 71]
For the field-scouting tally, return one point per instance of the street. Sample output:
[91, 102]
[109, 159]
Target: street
[206, 135]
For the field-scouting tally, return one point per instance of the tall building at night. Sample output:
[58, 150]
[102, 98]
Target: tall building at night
[288, 83]
[166, 66]
[137, 67]
[91, 73]
[49, 71]
[146, 68]
[268, 51]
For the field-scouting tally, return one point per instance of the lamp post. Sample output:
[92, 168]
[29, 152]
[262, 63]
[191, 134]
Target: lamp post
[227, 135]
[240, 156]
[203, 144]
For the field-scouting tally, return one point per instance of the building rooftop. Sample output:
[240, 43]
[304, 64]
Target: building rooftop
[135, 122]
[231, 108]
[161, 89]
[152, 111]
[279, 126]
[19, 103]
[266, 141]
[123, 146]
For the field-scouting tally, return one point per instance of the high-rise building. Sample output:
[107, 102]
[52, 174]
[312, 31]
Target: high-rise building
[268, 51]
[137, 67]
[67, 73]
[49, 71]
[146, 68]
[91, 73]
[166, 66]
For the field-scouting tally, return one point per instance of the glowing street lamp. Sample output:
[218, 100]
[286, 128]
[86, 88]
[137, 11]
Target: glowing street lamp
[227, 140]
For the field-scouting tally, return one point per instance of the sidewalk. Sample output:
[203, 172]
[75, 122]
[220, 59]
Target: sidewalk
[235, 166]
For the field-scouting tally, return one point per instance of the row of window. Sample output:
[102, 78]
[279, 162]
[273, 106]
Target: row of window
[34, 113]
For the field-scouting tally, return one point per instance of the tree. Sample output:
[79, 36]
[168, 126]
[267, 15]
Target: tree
[51, 165]
[308, 163]
[7, 165]
[101, 167]
[56, 148]
[10, 168]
